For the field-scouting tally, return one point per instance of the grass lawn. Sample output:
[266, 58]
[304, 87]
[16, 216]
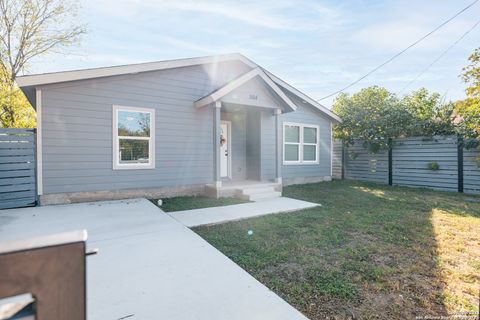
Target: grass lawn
[187, 203]
[370, 252]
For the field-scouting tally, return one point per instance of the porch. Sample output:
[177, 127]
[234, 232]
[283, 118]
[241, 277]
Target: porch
[247, 137]
[247, 152]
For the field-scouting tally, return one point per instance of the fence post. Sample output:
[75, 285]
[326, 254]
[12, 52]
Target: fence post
[390, 162]
[460, 163]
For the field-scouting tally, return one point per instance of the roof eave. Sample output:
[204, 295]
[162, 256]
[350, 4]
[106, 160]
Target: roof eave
[29, 83]
[66, 76]
[257, 72]
[302, 95]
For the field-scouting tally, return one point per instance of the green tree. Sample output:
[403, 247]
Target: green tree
[16, 111]
[468, 110]
[430, 115]
[28, 29]
[372, 115]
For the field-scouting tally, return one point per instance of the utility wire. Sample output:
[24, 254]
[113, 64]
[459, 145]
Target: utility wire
[440, 56]
[401, 52]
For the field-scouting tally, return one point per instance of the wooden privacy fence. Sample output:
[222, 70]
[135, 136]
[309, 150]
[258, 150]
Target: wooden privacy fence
[439, 162]
[17, 168]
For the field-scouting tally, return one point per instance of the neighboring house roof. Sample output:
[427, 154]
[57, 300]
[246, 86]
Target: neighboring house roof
[29, 82]
[231, 86]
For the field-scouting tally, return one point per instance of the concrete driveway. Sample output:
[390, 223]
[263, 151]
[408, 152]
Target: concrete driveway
[150, 266]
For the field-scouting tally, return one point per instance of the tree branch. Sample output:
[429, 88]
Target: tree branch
[25, 30]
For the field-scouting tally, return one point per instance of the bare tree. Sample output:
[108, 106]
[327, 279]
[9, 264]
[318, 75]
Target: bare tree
[30, 28]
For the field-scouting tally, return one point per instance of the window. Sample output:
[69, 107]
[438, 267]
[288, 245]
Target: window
[133, 138]
[300, 143]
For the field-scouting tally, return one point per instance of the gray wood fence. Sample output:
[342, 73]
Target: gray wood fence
[17, 168]
[436, 163]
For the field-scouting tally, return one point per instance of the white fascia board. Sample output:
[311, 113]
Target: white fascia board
[278, 91]
[219, 93]
[223, 91]
[57, 77]
[304, 97]
[47, 78]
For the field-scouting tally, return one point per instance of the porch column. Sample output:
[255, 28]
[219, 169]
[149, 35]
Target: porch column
[279, 142]
[216, 144]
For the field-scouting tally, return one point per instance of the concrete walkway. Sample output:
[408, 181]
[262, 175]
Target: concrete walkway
[198, 217]
[150, 266]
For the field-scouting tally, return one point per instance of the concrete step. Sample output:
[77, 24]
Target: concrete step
[264, 196]
[255, 190]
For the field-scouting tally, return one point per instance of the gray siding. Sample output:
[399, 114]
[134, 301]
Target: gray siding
[411, 157]
[307, 115]
[17, 168]
[253, 146]
[471, 171]
[360, 164]
[410, 164]
[268, 146]
[77, 129]
[337, 159]
[252, 93]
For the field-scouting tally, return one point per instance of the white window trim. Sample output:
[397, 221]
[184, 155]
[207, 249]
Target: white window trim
[301, 144]
[116, 141]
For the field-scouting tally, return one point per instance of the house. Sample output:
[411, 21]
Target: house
[215, 125]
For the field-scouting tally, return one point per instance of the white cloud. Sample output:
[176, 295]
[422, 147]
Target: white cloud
[395, 34]
[317, 45]
[271, 14]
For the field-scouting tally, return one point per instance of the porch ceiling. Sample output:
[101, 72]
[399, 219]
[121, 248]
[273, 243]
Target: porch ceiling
[269, 86]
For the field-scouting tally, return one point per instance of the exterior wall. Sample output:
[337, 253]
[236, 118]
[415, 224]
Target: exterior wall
[77, 134]
[77, 129]
[238, 141]
[253, 145]
[253, 93]
[308, 115]
[302, 180]
[268, 146]
[151, 193]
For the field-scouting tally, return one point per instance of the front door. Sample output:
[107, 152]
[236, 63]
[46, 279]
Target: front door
[225, 153]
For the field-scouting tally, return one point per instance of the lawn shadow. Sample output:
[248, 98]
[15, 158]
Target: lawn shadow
[388, 252]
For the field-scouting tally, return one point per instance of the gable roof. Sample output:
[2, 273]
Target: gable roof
[231, 86]
[28, 82]
[304, 97]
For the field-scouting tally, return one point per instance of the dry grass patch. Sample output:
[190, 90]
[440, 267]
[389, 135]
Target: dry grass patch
[458, 249]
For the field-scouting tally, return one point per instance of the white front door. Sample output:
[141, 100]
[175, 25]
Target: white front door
[225, 149]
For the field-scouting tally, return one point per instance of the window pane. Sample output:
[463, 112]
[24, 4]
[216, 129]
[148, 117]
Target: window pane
[133, 151]
[309, 153]
[292, 134]
[134, 124]
[310, 135]
[291, 152]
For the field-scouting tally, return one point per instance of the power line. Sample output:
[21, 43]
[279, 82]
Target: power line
[401, 52]
[441, 56]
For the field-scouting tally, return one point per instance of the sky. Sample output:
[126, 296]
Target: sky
[316, 46]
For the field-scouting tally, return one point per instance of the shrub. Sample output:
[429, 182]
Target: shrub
[434, 166]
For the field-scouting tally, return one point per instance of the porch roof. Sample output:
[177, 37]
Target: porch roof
[243, 79]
